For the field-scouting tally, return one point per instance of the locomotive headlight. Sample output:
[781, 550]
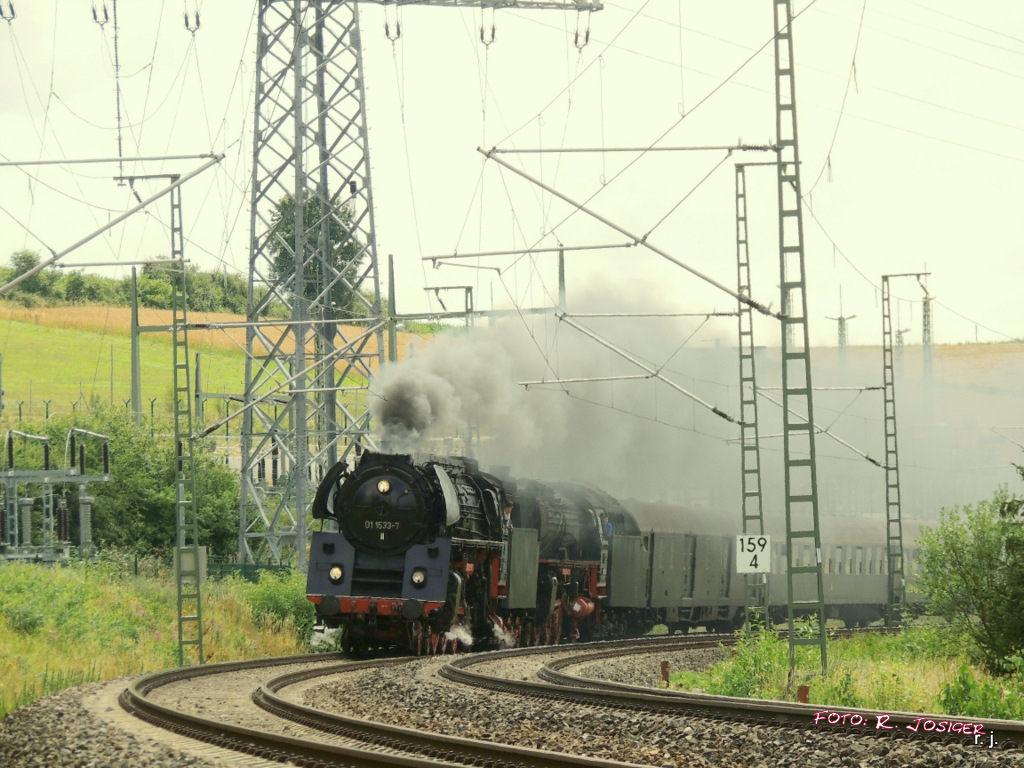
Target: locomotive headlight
[336, 573]
[419, 577]
[383, 486]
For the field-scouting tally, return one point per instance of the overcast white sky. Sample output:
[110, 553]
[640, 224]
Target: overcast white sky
[925, 161]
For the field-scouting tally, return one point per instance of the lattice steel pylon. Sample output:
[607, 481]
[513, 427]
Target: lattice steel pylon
[804, 580]
[315, 256]
[188, 564]
[755, 586]
[313, 253]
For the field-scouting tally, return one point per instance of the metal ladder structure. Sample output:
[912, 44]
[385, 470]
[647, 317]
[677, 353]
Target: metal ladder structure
[188, 565]
[755, 585]
[801, 482]
[893, 511]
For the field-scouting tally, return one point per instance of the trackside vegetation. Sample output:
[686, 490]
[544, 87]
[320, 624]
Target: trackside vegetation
[922, 669]
[971, 569]
[63, 626]
[967, 658]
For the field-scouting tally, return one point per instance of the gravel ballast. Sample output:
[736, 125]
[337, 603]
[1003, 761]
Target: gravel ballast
[59, 732]
[65, 731]
[414, 696]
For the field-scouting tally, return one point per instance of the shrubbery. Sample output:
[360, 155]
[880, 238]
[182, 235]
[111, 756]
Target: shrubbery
[966, 695]
[279, 598]
[971, 569]
[135, 510]
[62, 626]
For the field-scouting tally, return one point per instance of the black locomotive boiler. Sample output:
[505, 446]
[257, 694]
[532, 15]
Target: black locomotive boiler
[429, 555]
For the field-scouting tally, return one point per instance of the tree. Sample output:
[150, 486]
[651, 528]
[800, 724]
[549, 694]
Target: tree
[136, 510]
[44, 283]
[971, 570]
[346, 254]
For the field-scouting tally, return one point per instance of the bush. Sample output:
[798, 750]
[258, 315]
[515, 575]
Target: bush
[753, 670]
[971, 569]
[279, 598]
[965, 695]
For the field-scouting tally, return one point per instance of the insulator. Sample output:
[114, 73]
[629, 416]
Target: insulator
[106, 459]
[81, 459]
[46, 456]
[10, 451]
[197, 19]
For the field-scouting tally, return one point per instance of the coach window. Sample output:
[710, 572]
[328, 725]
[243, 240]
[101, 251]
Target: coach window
[860, 560]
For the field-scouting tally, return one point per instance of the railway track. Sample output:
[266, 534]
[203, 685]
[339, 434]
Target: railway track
[560, 685]
[279, 728]
[259, 712]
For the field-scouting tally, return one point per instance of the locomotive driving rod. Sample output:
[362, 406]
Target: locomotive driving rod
[636, 240]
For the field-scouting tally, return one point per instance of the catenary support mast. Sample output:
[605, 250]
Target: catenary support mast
[755, 585]
[803, 535]
[893, 501]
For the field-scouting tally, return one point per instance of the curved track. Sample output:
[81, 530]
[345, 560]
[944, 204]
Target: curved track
[314, 738]
[256, 716]
[1004, 734]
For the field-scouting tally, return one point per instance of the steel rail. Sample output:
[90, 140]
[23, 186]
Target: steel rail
[385, 744]
[277, 747]
[454, 749]
[985, 732]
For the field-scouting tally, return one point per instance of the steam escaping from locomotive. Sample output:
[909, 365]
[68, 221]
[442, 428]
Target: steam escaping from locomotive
[413, 405]
[639, 439]
[468, 384]
[458, 382]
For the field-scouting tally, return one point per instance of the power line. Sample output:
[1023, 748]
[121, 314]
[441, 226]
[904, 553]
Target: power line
[850, 78]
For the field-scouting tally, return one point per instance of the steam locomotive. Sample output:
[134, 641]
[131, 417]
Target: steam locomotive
[431, 555]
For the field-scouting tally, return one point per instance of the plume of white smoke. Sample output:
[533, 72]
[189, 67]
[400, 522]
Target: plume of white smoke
[460, 633]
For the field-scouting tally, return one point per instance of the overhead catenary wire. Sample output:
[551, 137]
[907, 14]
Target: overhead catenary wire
[652, 372]
[639, 240]
[57, 256]
[850, 80]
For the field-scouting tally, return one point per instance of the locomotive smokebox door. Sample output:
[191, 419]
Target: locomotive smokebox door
[524, 554]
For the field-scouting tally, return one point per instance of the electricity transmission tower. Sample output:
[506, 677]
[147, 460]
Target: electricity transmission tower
[313, 260]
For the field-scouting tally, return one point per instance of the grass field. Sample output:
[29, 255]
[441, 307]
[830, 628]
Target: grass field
[72, 355]
[63, 626]
[922, 669]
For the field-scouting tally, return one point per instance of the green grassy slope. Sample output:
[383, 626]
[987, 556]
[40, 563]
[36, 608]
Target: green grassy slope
[65, 365]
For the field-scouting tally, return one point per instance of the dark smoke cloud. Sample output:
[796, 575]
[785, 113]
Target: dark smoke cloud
[641, 440]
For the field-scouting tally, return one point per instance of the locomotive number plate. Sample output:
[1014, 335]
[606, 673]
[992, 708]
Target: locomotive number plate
[753, 554]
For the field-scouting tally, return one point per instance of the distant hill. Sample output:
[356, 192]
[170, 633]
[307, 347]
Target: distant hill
[73, 354]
